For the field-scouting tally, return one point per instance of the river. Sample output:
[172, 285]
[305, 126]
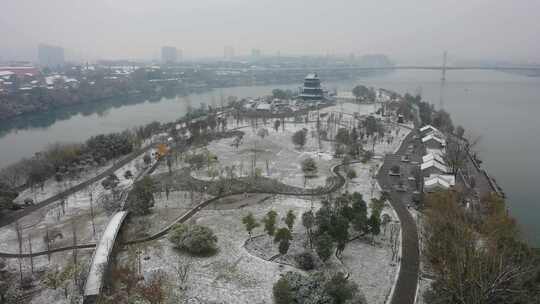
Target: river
[501, 108]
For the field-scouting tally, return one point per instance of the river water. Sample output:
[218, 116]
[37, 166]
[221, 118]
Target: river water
[501, 108]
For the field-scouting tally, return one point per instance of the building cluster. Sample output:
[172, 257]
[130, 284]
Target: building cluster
[271, 105]
[13, 78]
[310, 95]
[25, 77]
[437, 175]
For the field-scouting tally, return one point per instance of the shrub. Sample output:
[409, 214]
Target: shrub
[316, 288]
[305, 260]
[309, 167]
[7, 195]
[110, 182]
[282, 292]
[324, 246]
[340, 289]
[367, 156]
[351, 174]
[141, 199]
[195, 239]
[299, 138]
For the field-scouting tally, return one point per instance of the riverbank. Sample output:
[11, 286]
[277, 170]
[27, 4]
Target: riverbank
[489, 103]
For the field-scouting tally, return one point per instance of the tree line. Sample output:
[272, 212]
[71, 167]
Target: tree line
[478, 260]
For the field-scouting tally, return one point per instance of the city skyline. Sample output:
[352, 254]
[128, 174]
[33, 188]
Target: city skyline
[204, 28]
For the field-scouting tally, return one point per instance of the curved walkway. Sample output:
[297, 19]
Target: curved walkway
[193, 211]
[405, 286]
[100, 258]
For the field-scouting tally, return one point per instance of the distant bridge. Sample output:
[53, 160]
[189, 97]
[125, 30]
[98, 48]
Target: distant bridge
[402, 67]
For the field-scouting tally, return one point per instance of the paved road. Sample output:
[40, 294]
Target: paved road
[405, 289]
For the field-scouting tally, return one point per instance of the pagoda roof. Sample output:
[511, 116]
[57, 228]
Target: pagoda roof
[312, 76]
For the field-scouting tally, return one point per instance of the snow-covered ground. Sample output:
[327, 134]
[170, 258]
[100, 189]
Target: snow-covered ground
[374, 267]
[276, 155]
[165, 211]
[352, 108]
[232, 275]
[59, 219]
[52, 187]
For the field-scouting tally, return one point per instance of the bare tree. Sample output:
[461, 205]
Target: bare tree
[500, 270]
[182, 270]
[91, 188]
[30, 251]
[47, 240]
[74, 236]
[457, 152]
[18, 230]
[394, 240]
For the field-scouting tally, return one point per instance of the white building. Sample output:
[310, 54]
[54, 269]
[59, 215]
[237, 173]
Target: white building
[434, 141]
[434, 167]
[434, 156]
[436, 182]
[427, 129]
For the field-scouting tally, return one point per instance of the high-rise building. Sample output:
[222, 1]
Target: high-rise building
[169, 54]
[255, 53]
[50, 56]
[228, 52]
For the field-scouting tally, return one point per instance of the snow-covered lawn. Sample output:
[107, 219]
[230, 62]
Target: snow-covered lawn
[351, 108]
[234, 275]
[60, 218]
[276, 155]
[52, 187]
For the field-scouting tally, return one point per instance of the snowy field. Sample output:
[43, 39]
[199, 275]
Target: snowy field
[276, 156]
[52, 187]
[372, 266]
[59, 219]
[352, 108]
[234, 275]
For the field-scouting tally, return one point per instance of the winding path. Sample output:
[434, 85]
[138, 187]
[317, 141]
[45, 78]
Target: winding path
[406, 283]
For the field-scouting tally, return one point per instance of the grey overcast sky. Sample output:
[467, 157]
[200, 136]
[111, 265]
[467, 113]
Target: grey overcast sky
[406, 30]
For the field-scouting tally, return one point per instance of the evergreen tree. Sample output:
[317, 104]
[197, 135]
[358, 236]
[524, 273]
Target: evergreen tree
[250, 223]
[289, 220]
[270, 222]
[324, 246]
[282, 292]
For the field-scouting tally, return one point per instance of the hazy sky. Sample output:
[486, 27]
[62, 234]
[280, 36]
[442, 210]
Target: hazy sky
[408, 31]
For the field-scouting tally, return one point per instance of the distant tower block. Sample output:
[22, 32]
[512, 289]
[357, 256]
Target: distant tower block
[169, 54]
